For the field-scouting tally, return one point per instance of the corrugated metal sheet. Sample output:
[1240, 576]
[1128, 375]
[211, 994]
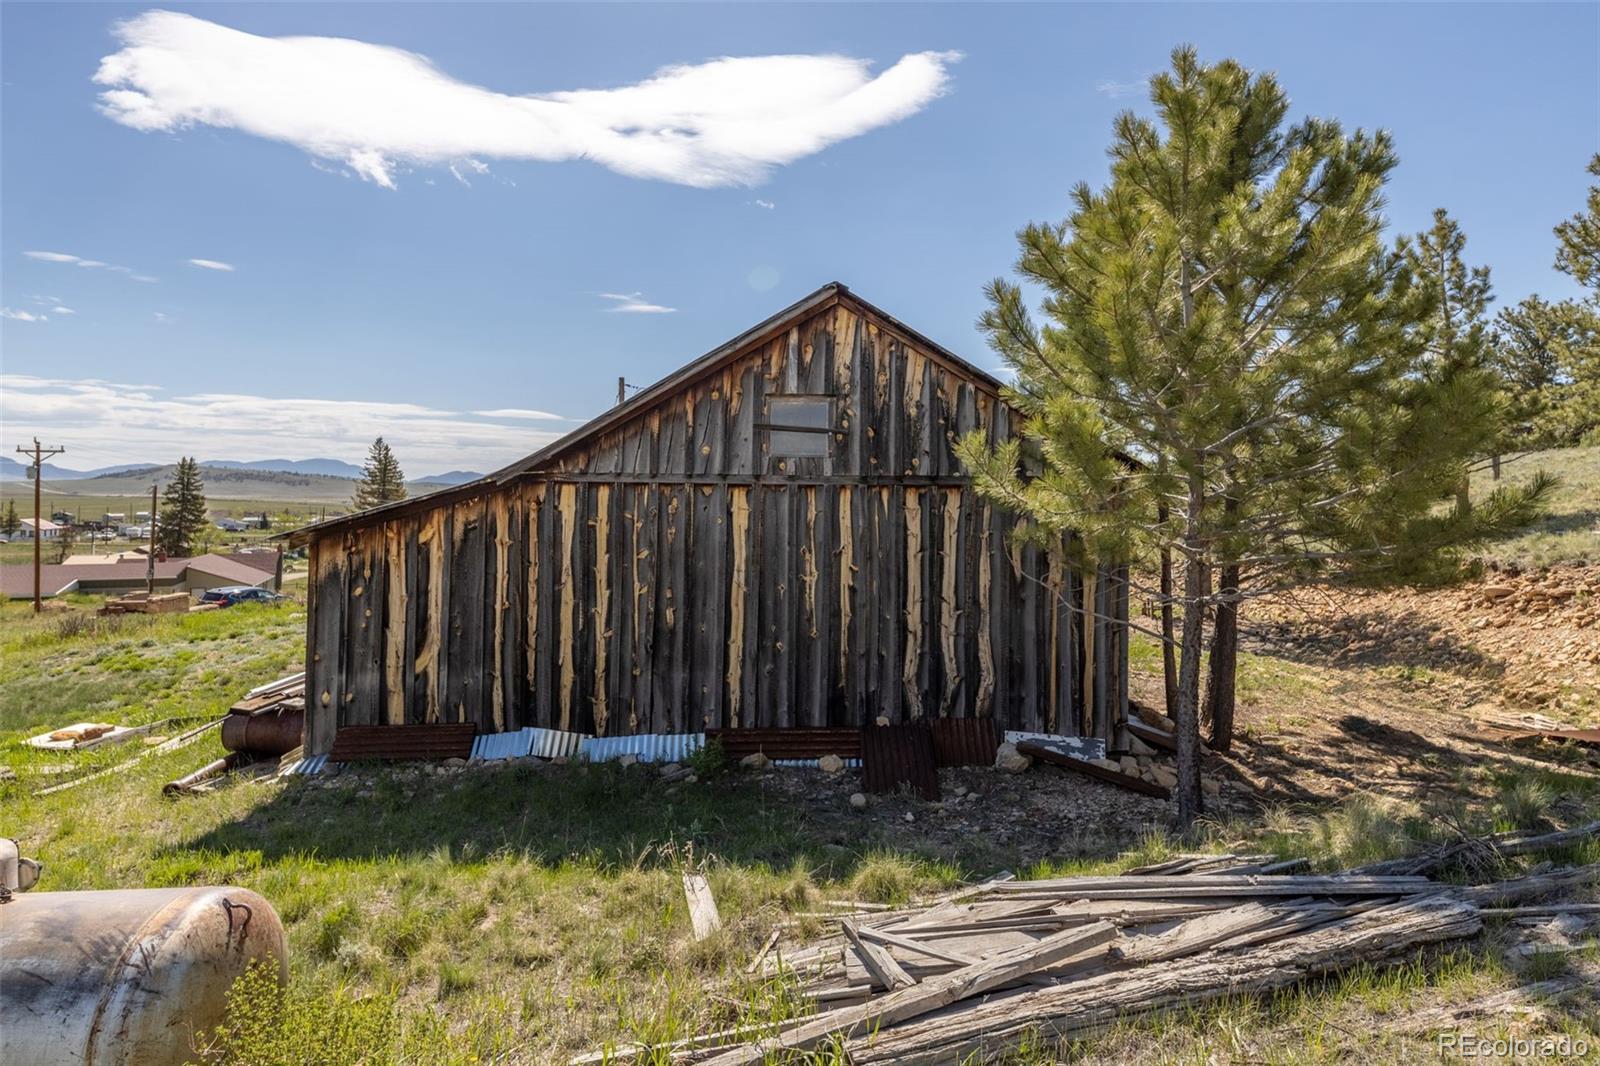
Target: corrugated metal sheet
[355, 743]
[788, 744]
[811, 764]
[555, 743]
[647, 747]
[964, 741]
[513, 745]
[896, 755]
[1078, 747]
[310, 765]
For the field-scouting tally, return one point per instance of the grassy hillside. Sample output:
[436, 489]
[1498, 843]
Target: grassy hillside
[1571, 529]
[126, 488]
[523, 914]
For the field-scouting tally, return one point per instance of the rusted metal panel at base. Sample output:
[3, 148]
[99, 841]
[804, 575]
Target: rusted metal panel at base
[964, 741]
[895, 755]
[778, 744]
[355, 743]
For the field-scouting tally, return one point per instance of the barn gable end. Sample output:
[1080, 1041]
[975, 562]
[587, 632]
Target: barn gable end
[777, 535]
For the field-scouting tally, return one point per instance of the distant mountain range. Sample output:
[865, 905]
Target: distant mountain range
[11, 470]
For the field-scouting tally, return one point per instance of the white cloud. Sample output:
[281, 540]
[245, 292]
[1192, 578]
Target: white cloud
[211, 264]
[519, 412]
[22, 316]
[103, 423]
[765, 204]
[373, 108]
[67, 257]
[160, 316]
[1116, 90]
[633, 303]
[59, 310]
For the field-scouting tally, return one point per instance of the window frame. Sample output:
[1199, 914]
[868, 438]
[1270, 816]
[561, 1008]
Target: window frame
[769, 426]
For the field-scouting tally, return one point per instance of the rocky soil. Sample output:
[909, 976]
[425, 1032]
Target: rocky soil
[1520, 638]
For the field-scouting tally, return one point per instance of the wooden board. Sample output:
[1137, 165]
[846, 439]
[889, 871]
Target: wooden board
[1089, 769]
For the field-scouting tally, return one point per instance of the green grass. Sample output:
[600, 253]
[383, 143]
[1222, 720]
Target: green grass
[1571, 529]
[523, 914]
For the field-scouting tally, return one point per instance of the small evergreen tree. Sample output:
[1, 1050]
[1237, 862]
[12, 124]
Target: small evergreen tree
[66, 540]
[382, 480]
[1577, 405]
[1225, 314]
[10, 523]
[183, 510]
[1455, 336]
[1540, 351]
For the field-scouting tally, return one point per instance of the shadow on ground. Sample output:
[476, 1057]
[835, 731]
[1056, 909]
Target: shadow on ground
[1370, 638]
[618, 818]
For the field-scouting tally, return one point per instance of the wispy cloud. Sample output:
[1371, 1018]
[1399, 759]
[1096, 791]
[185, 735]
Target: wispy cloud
[93, 264]
[60, 310]
[764, 204]
[160, 316]
[634, 303]
[211, 264]
[727, 121]
[1116, 90]
[104, 422]
[17, 315]
[520, 413]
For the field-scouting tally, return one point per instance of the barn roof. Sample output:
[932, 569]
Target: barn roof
[830, 294]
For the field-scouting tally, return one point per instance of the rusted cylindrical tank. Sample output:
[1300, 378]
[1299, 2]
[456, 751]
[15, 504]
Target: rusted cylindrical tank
[272, 733]
[125, 978]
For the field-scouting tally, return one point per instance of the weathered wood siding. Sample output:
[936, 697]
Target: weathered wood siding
[673, 574]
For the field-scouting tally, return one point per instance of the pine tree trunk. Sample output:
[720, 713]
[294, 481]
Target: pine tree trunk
[1220, 684]
[1190, 804]
[1494, 466]
[1169, 643]
[1464, 496]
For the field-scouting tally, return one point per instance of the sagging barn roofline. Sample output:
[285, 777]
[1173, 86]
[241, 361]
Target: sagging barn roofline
[827, 296]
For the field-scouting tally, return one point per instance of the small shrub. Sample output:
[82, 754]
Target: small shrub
[885, 878]
[1523, 803]
[708, 761]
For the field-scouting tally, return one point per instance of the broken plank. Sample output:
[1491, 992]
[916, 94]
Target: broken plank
[931, 995]
[702, 907]
[1196, 934]
[908, 944]
[883, 967]
[1089, 769]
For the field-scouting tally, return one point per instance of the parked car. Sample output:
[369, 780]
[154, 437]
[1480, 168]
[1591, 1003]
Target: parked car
[228, 595]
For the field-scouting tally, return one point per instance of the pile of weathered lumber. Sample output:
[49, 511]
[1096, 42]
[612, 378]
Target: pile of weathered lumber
[985, 968]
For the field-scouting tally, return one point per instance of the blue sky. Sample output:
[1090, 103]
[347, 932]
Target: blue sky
[409, 269]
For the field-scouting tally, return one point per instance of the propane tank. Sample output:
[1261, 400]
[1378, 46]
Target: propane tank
[127, 977]
[16, 873]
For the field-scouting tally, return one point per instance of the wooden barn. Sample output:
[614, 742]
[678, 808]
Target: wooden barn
[777, 534]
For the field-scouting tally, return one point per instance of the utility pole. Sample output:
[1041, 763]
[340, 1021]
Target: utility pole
[150, 563]
[622, 389]
[38, 453]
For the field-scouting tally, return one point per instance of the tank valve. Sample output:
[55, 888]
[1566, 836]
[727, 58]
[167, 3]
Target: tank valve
[16, 873]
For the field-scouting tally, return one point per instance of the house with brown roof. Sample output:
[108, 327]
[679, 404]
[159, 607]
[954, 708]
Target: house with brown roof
[115, 578]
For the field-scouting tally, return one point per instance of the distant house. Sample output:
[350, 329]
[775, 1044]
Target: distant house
[231, 525]
[115, 578]
[114, 519]
[47, 530]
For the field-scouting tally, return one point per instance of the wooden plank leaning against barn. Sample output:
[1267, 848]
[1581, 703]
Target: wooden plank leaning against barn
[662, 570]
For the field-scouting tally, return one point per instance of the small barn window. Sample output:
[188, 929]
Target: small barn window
[798, 426]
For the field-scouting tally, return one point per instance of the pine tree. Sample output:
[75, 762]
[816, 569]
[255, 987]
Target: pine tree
[1541, 351]
[1456, 334]
[1577, 406]
[382, 481]
[183, 510]
[9, 521]
[1225, 314]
